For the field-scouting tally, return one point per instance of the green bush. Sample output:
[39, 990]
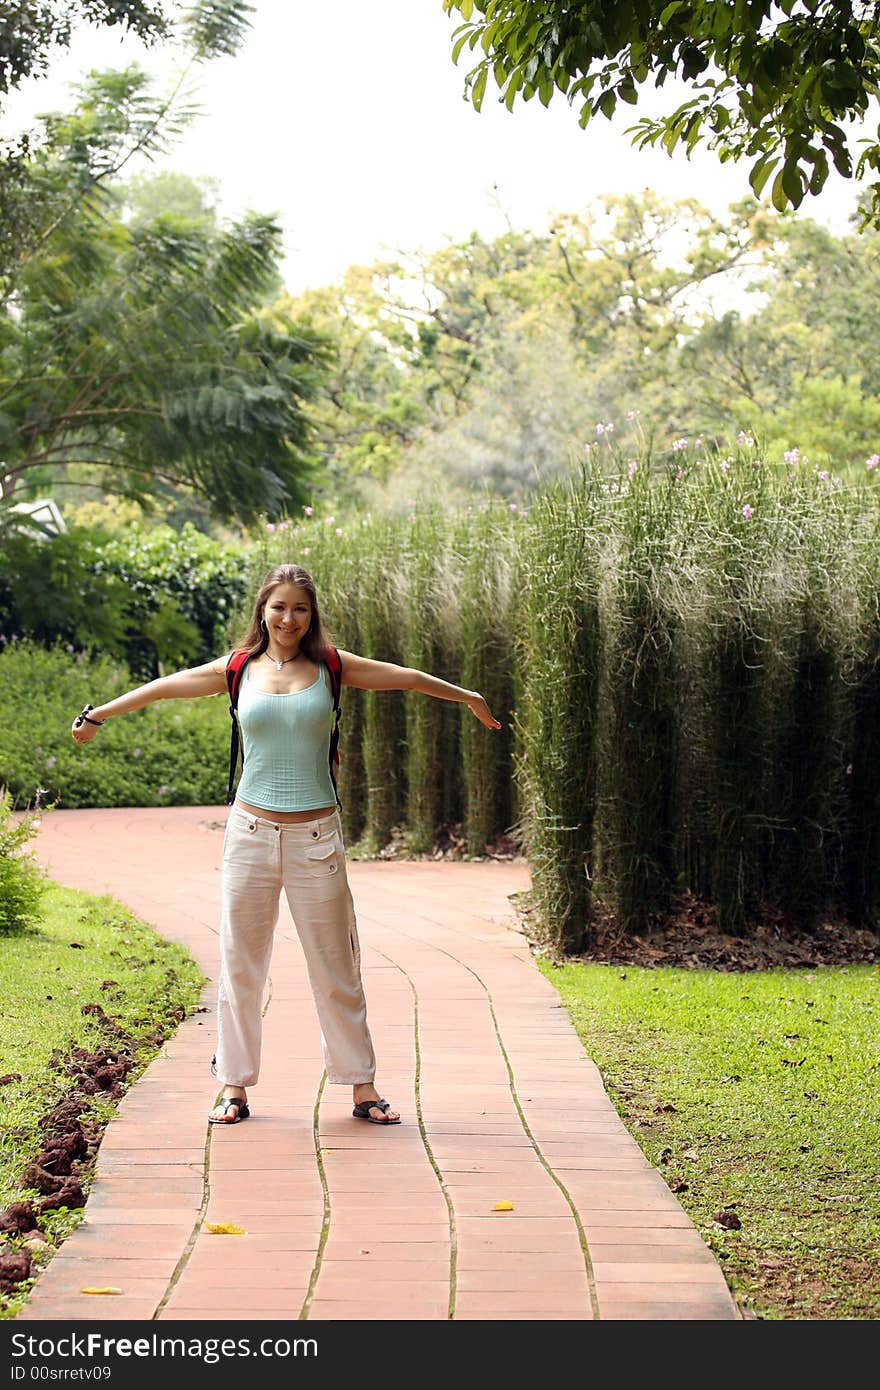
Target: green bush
[151, 599]
[21, 880]
[174, 753]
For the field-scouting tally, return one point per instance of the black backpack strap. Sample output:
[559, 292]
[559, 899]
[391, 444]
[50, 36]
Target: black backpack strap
[234, 668]
[334, 666]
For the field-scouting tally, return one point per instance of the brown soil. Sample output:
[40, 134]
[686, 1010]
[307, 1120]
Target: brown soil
[690, 939]
[71, 1137]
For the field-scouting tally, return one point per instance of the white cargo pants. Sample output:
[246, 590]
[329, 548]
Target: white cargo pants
[307, 860]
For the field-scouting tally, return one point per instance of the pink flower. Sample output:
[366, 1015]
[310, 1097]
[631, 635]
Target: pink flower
[678, 445]
[724, 465]
[679, 475]
[698, 442]
[339, 530]
[600, 428]
[512, 507]
[746, 439]
[824, 475]
[747, 511]
[609, 427]
[792, 456]
[632, 468]
[309, 511]
[849, 769]
[329, 520]
[270, 525]
[873, 461]
[631, 414]
[284, 526]
[612, 487]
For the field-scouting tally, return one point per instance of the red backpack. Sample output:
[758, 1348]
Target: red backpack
[234, 669]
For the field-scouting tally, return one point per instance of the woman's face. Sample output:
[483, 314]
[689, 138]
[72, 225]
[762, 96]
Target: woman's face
[287, 614]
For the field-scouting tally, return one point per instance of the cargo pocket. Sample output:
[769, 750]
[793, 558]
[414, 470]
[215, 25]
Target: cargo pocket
[322, 859]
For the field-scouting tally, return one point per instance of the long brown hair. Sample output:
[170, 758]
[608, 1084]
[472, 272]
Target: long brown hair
[316, 641]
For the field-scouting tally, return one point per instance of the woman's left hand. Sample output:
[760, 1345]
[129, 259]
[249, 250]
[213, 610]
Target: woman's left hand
[477, 705]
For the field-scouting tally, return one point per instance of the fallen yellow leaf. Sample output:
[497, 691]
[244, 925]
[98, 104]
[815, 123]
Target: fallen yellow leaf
[222, 1228]
[107, 1290]
[503, 1206]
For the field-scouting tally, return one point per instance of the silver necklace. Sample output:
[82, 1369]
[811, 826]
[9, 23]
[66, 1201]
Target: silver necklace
[279, 664]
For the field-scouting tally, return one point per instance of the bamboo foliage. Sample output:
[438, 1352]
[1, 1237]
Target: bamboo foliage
[686, 664]
[425, 599]
[486, 666]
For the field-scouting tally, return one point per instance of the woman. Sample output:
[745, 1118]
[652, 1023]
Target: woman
[284, 830]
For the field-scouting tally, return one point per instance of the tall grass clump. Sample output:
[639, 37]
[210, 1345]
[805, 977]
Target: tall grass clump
[639, 753]
[484, 609]
[809, 720]
[860, 857]
[425, 592]
[737, 642]
[558, 641]
[381, 625]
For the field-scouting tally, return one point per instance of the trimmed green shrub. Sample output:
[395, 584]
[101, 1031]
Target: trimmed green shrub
[153, 599]
[21, 879]
[174, 753]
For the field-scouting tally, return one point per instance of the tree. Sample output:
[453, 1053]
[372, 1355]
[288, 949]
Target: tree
[142, 348]
[774, 80]
[489, 358]
[30, 31]
[792, 363]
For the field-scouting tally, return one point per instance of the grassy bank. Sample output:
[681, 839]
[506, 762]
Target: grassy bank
[86, 952]
[756, 1096]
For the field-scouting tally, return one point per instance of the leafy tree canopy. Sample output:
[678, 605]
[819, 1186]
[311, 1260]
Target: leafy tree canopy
[140, 346]
[775, 81]
[32, 30]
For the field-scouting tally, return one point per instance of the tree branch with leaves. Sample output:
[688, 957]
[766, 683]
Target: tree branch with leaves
[778, 82]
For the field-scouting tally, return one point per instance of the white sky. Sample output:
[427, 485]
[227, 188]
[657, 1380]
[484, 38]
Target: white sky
[346, 118]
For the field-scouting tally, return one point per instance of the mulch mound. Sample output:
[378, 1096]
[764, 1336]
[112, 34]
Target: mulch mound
[70, 1138]
[689, 938]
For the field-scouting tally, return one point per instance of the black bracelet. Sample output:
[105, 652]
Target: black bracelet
[83, 718]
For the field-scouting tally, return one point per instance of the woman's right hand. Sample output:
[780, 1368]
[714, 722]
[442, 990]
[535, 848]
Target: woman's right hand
[84, 733]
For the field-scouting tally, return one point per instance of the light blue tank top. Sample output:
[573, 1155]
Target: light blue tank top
[286, 745]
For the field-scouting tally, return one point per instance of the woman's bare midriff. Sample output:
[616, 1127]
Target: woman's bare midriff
[285, 816]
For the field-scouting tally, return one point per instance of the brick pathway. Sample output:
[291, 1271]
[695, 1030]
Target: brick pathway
[347, 1220]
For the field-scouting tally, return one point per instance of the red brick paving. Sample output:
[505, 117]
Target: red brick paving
[454, 1000]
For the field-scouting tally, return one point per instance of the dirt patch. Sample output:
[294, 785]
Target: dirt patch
[71, 1134]
[690, 939]
[450, 844]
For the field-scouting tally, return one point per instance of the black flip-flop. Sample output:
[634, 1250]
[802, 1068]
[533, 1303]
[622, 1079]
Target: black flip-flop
[227, 1102]
[362, 1112]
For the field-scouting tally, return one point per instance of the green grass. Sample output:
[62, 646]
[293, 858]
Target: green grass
[120, 962]
[770, 1083]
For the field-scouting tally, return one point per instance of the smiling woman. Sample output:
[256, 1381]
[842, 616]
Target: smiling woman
[284, 829]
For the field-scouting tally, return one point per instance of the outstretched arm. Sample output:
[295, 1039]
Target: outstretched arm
[209, 679]
[361, 673]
